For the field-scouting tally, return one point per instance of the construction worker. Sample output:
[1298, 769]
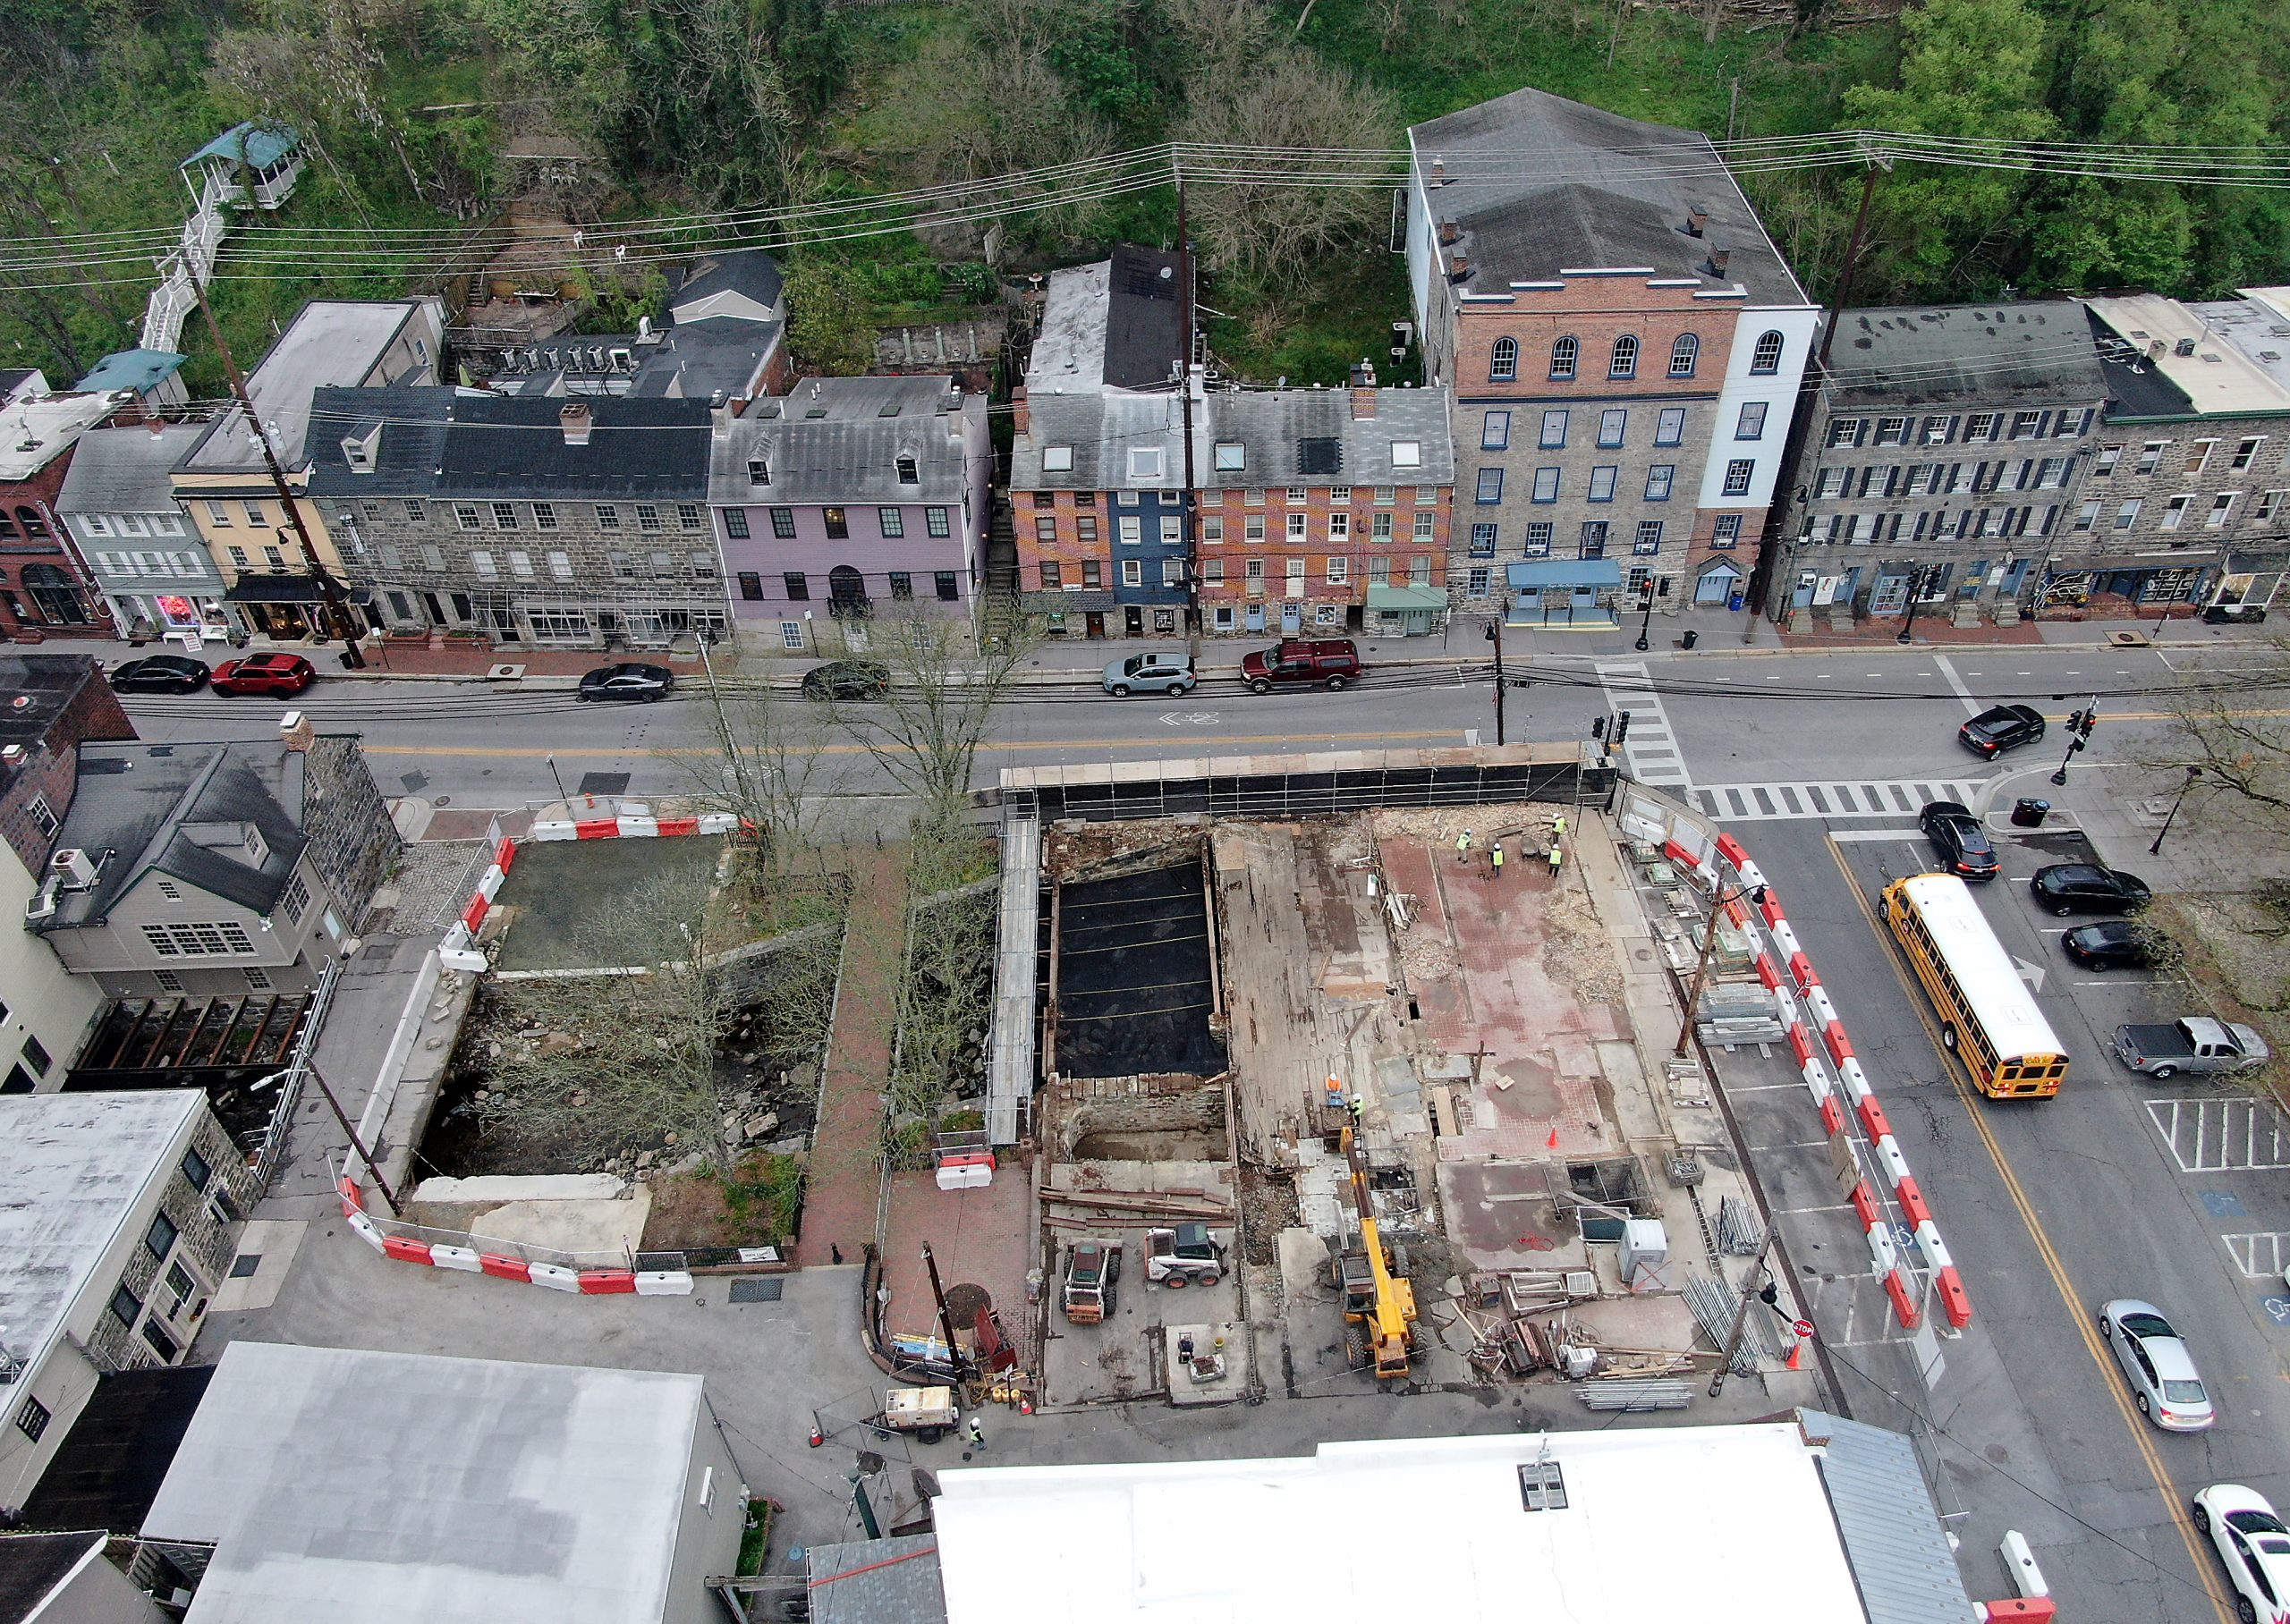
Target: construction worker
[1557, 856]
[976, 1433]
[1496, 858]
[1358, 1107]
[1559, 828]
[1463, 847]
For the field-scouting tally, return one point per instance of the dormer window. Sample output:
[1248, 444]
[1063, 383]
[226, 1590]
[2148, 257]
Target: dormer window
[1144, 462]
[360, 451]
[759, 470]
[1231, 456]
[910, 472]
[1057, 459]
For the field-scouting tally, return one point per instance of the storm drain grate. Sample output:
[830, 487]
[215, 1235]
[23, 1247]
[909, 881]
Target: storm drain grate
[603, 783]
[757, 1291]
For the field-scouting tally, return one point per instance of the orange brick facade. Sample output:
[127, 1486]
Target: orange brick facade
[1250, 551]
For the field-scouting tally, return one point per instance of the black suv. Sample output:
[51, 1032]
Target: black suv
[2000, 727]
[847, 679]
[1960, 840]
[2073, 888]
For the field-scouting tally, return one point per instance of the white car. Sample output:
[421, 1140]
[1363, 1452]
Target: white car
[2164, 1382]
[2254, 1547]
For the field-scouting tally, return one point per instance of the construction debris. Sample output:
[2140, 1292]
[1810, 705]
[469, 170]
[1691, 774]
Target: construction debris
[1634, 1394]
[1739, 1233]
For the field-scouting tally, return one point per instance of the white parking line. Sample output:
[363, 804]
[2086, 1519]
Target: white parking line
[2238, 1134]
[2259, 1256]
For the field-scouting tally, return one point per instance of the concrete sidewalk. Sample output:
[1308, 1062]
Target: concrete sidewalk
[845, 1176]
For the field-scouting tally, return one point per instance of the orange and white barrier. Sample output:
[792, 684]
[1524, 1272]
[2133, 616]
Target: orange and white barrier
[470, 1260]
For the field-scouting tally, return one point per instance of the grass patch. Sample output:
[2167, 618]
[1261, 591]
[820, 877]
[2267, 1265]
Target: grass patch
[755, 1538]
[762, 1197]
[1312, 332]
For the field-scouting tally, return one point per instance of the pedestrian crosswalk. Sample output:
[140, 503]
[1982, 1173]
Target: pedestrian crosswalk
[1882, 798]
[1650, 748]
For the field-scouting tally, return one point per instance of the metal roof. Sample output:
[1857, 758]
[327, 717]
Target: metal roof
[125, 470]
[1118, 325]
[2035, 351]
[839, 439]
[330, 341]
[255, 144]
[750, 272]
[141, 370]
[875, 1581]
[1534, 572]
[1892, 1534]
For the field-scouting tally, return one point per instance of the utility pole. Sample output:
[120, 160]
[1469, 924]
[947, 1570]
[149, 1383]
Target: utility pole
[365, 1155]
[1495, 636]
[1750, 1290]
[1852, 252]
[741, 787]
[337, 600]
[1186, 505]
[1701, 966]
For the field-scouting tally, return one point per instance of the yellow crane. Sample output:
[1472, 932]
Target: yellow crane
[1375, 1299]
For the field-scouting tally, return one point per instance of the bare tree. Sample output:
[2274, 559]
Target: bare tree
[925, 732]
[767, 766]
[2240, 751]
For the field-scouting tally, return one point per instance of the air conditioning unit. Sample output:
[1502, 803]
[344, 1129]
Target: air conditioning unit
[73, 868]
[42, 905]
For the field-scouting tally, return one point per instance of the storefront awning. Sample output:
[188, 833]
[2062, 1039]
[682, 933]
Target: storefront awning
[1536, 574]
[276, 589]
[1401, 599]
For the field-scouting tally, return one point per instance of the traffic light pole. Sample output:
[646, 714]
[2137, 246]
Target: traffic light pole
[2080, 724]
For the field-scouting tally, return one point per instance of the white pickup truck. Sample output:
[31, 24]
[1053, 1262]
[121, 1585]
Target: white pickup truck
[2193, 1043]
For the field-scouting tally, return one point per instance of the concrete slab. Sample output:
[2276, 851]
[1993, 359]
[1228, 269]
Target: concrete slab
[266, 1251]
[1207, 1364]
[587, 1228]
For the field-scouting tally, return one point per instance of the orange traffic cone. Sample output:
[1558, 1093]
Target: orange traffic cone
[1552, 1143]
[818, 1437]
[1025, 1405]
[1795, 1349]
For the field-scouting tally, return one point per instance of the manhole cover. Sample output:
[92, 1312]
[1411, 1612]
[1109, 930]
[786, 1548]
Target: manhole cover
[603, 783]
[965, 1302]
[245, 1264]
[757, 1291]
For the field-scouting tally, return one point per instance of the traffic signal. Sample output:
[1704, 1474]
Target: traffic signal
[2075, 722]
[2090, 720]
[1621, 726]
[1597, 727]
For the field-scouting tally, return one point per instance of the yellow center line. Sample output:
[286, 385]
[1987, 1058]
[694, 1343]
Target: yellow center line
[2069, 1297]
[1219, 741]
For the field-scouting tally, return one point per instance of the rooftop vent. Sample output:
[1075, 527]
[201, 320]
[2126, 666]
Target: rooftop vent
[576, 421]
[1697, 222]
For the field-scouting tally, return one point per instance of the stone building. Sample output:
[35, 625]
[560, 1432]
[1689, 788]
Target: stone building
[850, 498]
[524, 519]
[1623, 343]
[1943, 455]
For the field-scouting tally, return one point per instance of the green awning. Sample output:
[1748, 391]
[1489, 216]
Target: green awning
[251, 144]
[1401, 599]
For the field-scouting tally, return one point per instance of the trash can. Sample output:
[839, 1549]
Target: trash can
[1736, 601]
[1689, 640]
[2029, 813]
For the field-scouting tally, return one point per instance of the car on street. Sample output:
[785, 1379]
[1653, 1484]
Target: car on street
[2073, 888]
[2164, 1383]
[2252, 1545]
[629, 679]
[1332, 662]
[1960, 840]
[284, 674]
[1157, 671]
[2000, 727]
[160, 673]
[2118, 944]
[847, 679]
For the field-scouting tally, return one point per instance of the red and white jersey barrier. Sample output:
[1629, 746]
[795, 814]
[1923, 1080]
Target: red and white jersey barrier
[1833, 1075]
[474, 1260]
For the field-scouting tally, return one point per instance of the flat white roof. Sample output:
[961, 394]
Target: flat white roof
[376, 1488]
[35, 432]
[1069, 356]
[2216, 377]
[330, 341]
[1660, 1523]
[72, 1168]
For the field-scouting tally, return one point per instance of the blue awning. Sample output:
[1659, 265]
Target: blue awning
[1532, 574]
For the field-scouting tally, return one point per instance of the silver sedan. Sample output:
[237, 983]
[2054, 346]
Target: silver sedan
[2164, 1383]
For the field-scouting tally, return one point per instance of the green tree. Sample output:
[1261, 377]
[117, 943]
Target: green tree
[830, 328]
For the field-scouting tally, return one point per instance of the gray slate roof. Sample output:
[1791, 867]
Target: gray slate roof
[748, 271]
[1541, 185]
[124, 471]
[442, 442]
[2037, 351]
[1291, 436]
[1893, 1538]
[32, 1565]
[838, 440]
[875, 1581]
[1100, 429]
[180, 808]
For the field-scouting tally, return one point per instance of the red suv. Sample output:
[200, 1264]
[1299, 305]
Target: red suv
[1331, 663]
[287, 674]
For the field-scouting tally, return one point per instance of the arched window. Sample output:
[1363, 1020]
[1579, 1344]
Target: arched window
[1503, 361]
[59, 601]
[1683, 354]
[1563, 356]
[846, 593]
[1625, 363]
[1767, 355]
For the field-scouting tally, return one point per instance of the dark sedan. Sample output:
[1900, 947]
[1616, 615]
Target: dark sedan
[160, 673]
[2073, 888]
[2116, 945]
[847, 679]
[1958, 836]
[2000, 727]
[630, 679]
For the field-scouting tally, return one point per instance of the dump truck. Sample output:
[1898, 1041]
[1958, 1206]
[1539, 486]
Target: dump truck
[1092, 1273]
[1185, 1255]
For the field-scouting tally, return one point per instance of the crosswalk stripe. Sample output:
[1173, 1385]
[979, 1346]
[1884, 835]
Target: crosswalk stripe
[1650, 749]
[1769, 803]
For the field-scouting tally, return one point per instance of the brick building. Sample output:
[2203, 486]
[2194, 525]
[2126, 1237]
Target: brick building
[1625, 347]
[2188, 492]
[1942, 454]
[853, 497]
[1327, 510]
[572, 522]
[44, 589]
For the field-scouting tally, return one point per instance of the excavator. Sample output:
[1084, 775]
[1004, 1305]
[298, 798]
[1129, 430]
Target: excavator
[1375, 1300]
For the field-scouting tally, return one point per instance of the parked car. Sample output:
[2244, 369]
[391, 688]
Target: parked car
[160, 673]
[847, 679]
[2234, 614]
[284, 674]
[2254, 1547]
[2116, 945]
[2000, 727]
[2193, 1043]
[2073, 888]
[2161, 1372]
[1960, 840]
[1157, 671]
[629, 679]
[1300, 662]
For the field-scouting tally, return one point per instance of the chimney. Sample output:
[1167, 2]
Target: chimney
[1021, 414]
[1716, 263]
[720, 418]
[1363, 391]
[1459, 269]
[1438, 171]
[1448, 231]
[1697, 222]
[295, 732]
[575, 418]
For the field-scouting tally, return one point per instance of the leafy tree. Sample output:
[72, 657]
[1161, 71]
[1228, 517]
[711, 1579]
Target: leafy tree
[828, 310]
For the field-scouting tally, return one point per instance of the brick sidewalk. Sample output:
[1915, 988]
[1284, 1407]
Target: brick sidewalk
[845, 1176]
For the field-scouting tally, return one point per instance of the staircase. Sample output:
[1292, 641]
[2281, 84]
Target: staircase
[181, 272]
[998, 615]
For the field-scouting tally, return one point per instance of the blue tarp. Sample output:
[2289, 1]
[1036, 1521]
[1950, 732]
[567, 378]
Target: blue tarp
[1533, 574]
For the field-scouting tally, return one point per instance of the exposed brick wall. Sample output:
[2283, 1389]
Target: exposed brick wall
[50, 769]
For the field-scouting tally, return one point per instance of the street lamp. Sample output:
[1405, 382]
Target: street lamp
[1646, 602]
[1917, 582]
[2176, 803]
